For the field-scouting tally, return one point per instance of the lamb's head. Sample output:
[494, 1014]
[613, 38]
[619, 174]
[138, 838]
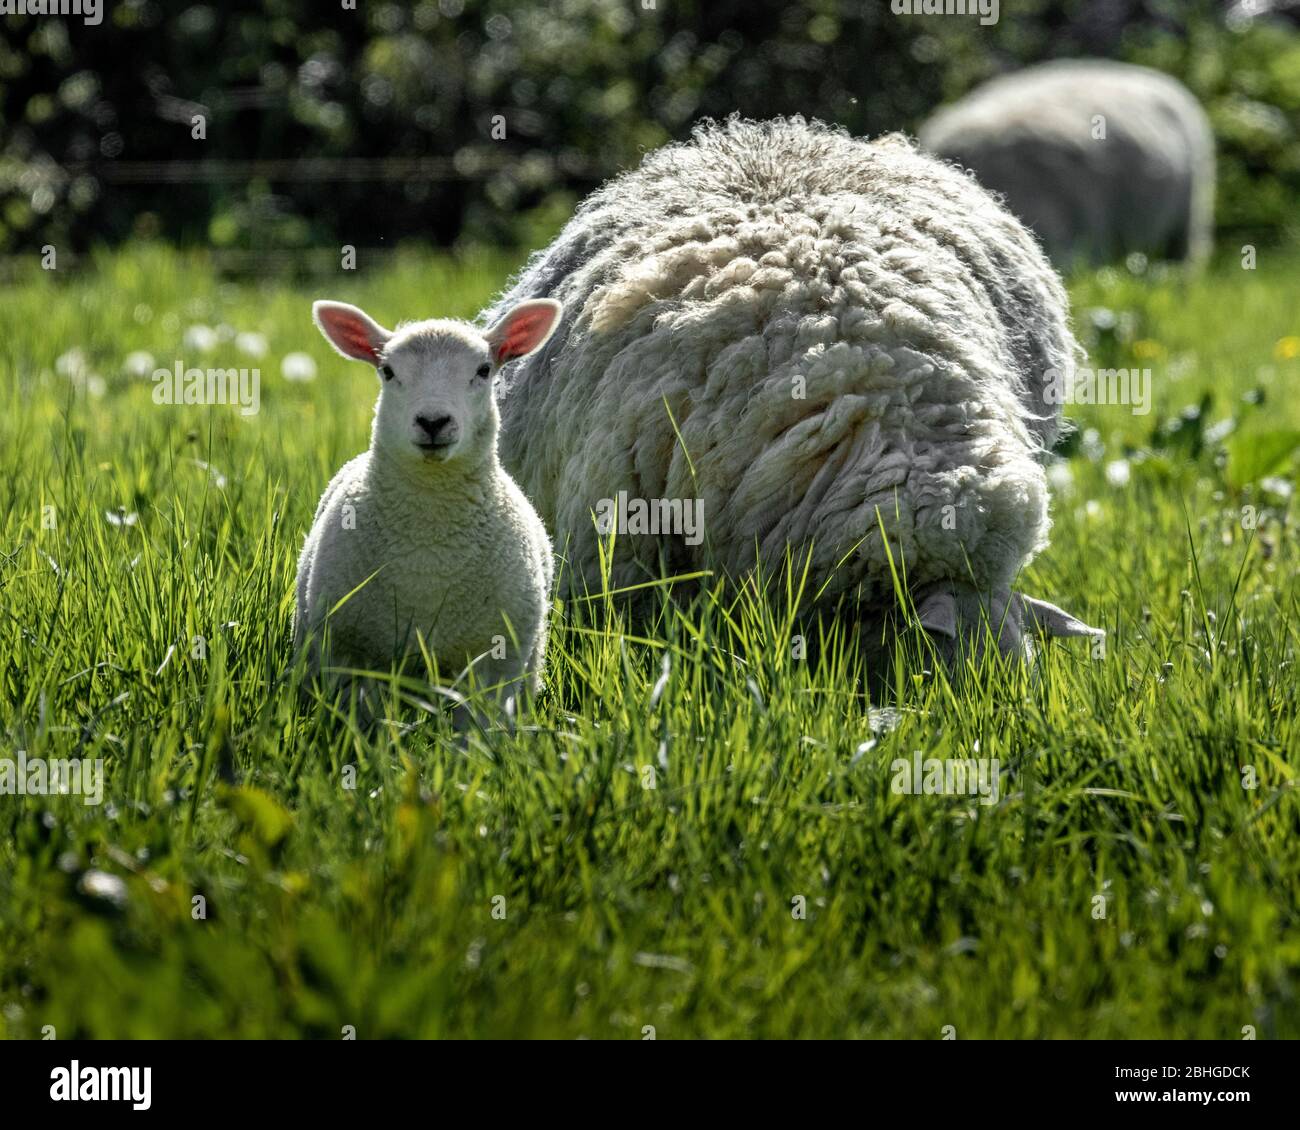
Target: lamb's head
[436, 401]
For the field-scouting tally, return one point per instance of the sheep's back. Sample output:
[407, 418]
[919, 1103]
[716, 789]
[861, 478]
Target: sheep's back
[1098, 158]
[817, 338]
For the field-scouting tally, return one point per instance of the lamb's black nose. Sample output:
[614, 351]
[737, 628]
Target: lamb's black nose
[438, 429]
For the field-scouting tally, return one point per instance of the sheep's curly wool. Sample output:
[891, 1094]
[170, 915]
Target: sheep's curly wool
[847, 336]
[1098, 158]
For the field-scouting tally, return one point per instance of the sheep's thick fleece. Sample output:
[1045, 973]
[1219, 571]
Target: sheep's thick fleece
[847, 335]
[1099, 158]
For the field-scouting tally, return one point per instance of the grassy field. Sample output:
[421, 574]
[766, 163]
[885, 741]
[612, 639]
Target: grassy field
[261, 867]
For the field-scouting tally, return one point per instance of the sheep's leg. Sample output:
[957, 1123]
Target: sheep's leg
[503, 683]
[465, 718]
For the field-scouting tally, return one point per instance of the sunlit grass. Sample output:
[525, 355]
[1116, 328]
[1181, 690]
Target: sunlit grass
[639, 851]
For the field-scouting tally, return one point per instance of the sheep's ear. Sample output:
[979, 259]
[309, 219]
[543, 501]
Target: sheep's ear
[524, 330]
[937, 614]
[351, 331]
[1054, 621]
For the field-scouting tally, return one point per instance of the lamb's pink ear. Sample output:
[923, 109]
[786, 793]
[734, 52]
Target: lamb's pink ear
[524, 330]
[351, 331]
[1054, 621]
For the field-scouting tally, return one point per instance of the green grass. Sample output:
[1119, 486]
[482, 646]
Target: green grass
[618, 906]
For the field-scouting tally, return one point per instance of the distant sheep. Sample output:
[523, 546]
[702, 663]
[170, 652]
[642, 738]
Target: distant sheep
[806, 338]
[1100, 159]
[431, 543]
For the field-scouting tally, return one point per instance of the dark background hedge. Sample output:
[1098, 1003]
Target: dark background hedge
[373, 126]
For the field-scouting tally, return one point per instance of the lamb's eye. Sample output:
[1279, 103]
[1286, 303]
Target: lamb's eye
[386, 372]
[483, 370]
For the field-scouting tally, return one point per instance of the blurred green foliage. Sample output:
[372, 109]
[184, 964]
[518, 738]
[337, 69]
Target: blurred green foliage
[393, 106]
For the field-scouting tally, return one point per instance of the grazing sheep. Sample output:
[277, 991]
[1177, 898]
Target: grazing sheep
[810, 338]
[430, 541]
[1100, 159]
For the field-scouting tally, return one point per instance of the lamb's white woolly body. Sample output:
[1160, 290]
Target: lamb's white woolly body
[449, 550]
[847, 335]
[1099, 158]
[456, 570]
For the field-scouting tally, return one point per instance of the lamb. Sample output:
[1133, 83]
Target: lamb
[1100, 159]
[842, 349]
[424, 541]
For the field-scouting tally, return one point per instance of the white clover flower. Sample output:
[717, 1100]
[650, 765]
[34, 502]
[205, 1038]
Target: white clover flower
[251, 344]
[72, 364]
[1061, 477]
[104, 887]
[200, 338]
[298, 367]
[139, 364]
[1118, 472]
